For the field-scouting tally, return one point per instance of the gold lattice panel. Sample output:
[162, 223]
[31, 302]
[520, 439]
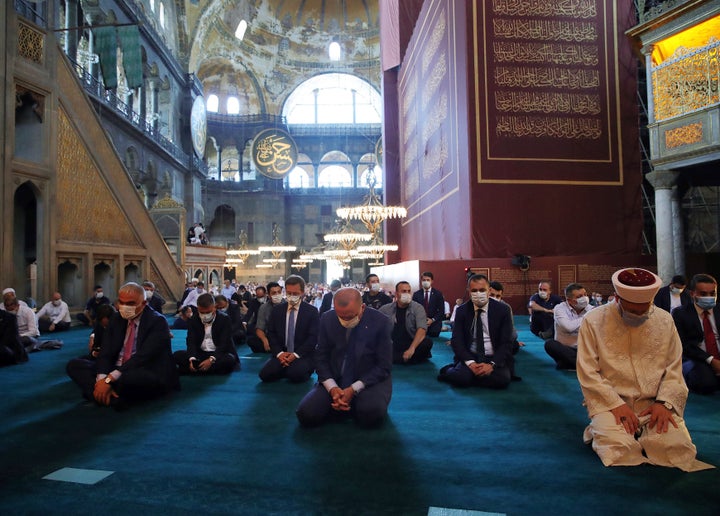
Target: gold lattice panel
[684, 135]
[31, 43]
[86, 210]
[687, 82]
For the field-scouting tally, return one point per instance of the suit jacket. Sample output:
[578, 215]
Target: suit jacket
[236, 318]
[436, 307]
[372, 344]
[153, 351]
[500, 327]
[662, 298]
[221, 335]
[326, 302]
[306, 329]
[691, 331]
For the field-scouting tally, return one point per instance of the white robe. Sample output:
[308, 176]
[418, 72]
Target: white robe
[618, 363]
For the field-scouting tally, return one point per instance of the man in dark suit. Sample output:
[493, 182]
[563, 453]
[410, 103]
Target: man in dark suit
[674, 295]
[697, 325]
[254, 305]
[232, 310]
[292, 334]
[327, 301]
[353, 361]
[135, 361]
[481, 340]
[154, 299]
[434, 303]
[210, 349]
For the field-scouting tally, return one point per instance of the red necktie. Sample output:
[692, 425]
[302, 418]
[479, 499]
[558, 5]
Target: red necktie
[129, 342]
[710, 342]
[427, 300]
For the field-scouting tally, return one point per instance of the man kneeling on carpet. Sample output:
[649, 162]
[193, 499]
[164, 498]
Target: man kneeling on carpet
[210, 349]
[353, 361]
[629, 364]
[482, 339]
[135, 361]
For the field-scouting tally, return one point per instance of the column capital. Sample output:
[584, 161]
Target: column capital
[662, 179]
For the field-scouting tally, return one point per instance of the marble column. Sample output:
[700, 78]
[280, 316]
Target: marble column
[678, 232]
[666, 220]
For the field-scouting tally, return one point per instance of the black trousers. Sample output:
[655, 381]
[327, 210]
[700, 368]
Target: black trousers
[368, 408]
[422, 352]
[225, 363]
[299, 371]
[134, 385]
[564, 356]
[700, 377]
[461, 375]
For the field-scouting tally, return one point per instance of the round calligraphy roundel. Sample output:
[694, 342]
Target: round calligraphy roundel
[198, 126]
[274, 153]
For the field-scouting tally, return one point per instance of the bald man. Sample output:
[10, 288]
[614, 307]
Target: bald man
[353, 360]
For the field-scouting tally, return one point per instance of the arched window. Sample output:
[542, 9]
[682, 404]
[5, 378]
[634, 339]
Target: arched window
[240, 31]
[334, 176]
[212, 103]
[334, 98]
[233, 106]
[298, 178]
[364, 176]
[334, 51]
[162, 15]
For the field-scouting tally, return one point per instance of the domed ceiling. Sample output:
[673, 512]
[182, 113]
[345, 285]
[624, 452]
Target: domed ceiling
[286, 42]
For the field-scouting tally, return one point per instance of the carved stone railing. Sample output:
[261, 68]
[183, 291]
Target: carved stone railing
[687, 82]
[649, 9]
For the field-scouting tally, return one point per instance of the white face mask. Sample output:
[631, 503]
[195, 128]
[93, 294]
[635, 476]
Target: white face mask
[634, 320]
[99, 295]
[351, 323]
[293, 300]
[57, 302]
[582, 302]
[676, 291]
[261, 300]
[479, 298]
[207, 318]
[276, 298]
[375, 287]
[405, 298]
[426, 284]
[543, 294]
[127, 311]
[148, 294]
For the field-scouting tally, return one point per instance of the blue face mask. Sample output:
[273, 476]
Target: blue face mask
[705, 303]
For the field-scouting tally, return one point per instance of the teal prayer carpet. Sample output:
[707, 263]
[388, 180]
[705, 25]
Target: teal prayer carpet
[232, 445]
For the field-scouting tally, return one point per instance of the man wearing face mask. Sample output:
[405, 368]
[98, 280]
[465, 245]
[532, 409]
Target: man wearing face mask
[434, 303]
[135, 361]
[354, 362]
[541, 307]
[697, 325]
[481, 340]
[674, 295]
[629, 366]
[54, 315]
[191, 299]
[292, 333]
[155, 300]
[232, 310]
[374, 297]
[568, 317]
[410, 343]
[258, 341]
[98, 299]
[210, 349]
[250, 318]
